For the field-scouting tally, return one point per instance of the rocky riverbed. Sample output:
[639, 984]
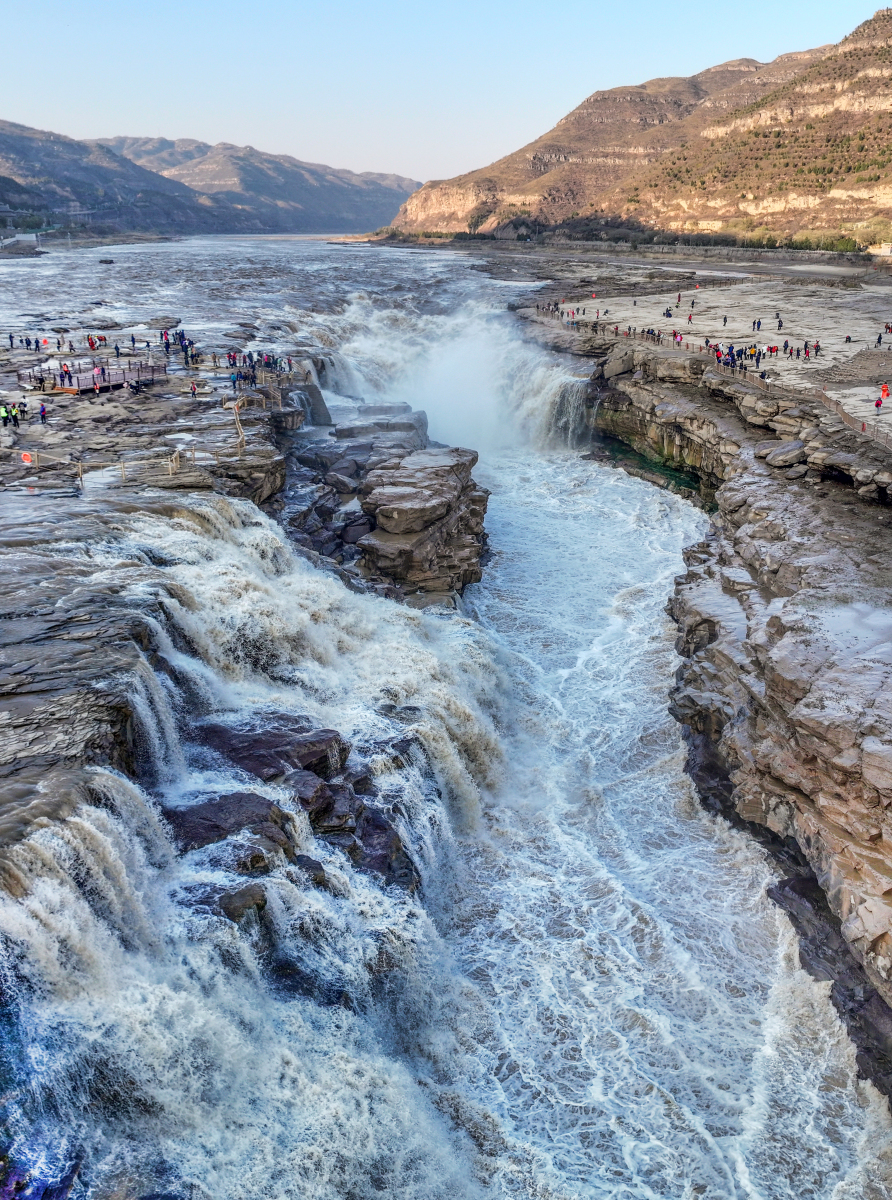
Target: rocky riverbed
[309, 893]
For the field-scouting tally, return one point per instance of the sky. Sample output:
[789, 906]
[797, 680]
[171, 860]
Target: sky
[424, 90]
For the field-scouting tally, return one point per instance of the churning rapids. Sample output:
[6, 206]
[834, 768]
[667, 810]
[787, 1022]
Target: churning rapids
[591, 995]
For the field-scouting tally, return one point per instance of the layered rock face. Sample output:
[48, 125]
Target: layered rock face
[785, 625]
[429, 516]
[596, 147]
[391, 513]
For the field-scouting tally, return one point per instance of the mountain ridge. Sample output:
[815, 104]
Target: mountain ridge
[205, 189]
[648, 156]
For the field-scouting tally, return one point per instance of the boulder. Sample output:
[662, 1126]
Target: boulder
[234, 905]
[357, 528]
[340, 813]
[787, 454]
[308, 790]
[213, 820]
[313, 869]
[341, 483]
[383, 852]
[285, 745]
[409, 510]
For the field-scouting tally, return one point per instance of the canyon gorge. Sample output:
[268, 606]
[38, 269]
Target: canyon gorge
[456, 761]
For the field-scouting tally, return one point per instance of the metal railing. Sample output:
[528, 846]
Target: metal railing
[95, 379]
[859, 424]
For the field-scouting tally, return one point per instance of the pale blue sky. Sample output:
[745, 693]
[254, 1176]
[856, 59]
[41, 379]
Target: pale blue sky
[426, 90]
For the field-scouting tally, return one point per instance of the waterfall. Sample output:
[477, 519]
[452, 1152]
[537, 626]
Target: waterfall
[589, 996]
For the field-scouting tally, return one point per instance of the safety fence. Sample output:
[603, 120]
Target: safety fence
[96, 379]
[861, 425]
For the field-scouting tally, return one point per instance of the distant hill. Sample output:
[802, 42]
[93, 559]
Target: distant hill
[798, 146]
[186, 186]
[602, 142]
[274, 190]
[48, 173]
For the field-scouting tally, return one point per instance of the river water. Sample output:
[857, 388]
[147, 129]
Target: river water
[590, 997]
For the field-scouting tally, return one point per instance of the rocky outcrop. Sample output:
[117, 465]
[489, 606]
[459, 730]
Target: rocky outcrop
[785, 629]
[340, 801]
[394, 515]
[428, 513]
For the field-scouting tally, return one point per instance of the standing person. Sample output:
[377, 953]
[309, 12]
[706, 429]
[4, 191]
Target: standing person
[193, 389]
[754, 326]
[878, 404]
[14, 415]
[4, 415]
[117, 350]
[885, 391]
[23, 409]
[132, 341]
[724, 321]
[232, 380]
[43, 414]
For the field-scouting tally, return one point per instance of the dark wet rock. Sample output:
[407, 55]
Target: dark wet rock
[234, 905]
[272, 752]
[826, 955]
[402, 712]
[341, 483]
[313, 869]
[21, 1183]
[346, 467]
[383, 852]
[231, 903]
[357, 528]
[308, 790]
[341, 813]
[213, 820]
[360, 779]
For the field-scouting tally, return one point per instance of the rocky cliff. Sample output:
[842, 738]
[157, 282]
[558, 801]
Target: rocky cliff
[785, 627]
[607, 138]
[88, 633]
[800, 146]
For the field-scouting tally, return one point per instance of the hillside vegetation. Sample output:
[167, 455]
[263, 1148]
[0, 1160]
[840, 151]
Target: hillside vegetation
[797, 148]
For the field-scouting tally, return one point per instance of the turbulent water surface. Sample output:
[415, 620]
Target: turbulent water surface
[591, 996]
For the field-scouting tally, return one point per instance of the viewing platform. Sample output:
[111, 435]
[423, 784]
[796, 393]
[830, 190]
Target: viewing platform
[92, 377]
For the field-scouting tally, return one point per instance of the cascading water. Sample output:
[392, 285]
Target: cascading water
[591, 995]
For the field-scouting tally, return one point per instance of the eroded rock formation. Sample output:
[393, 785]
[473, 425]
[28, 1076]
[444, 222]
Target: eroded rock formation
[785, 626]
[393, 514]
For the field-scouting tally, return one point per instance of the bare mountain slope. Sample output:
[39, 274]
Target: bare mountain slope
[51, 173]
[813, 154]
[610, 136]
[274, 190]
